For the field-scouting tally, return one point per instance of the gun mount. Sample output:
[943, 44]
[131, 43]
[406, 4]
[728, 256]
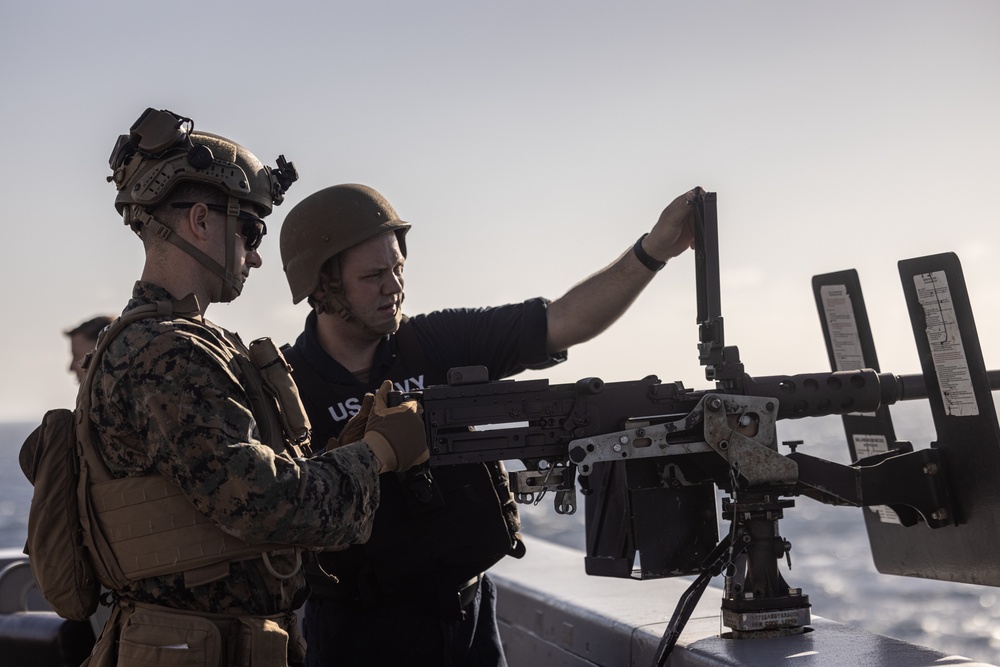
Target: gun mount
[648, 456]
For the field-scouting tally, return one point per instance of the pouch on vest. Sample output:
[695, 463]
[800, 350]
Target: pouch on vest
[49, 460]
[277, 376]
[151, 638]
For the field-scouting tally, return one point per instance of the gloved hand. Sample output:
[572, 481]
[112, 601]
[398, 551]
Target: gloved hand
[356, 425]
[396, 434]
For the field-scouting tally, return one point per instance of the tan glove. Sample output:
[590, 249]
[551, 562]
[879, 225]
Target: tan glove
[396, 434]
[354, 430]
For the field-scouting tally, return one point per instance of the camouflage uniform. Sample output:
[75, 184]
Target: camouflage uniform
[166, 402]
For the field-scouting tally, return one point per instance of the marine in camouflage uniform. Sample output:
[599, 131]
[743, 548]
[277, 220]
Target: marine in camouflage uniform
[179, 408]
[166, 402]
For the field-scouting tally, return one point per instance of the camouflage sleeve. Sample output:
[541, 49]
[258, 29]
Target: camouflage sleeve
[197, 429]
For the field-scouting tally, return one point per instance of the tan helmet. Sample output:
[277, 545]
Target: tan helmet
[328, 222]
[162, 150]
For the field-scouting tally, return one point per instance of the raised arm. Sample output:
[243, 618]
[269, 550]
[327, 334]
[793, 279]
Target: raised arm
[593, 305]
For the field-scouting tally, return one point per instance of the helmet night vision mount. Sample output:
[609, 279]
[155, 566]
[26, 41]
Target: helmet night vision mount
[162, 150]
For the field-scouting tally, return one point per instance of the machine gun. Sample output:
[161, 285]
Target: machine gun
[649, 456]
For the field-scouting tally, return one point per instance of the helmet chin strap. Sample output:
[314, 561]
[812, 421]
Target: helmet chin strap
[231, 284]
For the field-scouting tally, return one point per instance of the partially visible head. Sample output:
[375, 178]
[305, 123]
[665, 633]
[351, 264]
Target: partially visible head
[82, 339]
[163, 167]
[317, 234]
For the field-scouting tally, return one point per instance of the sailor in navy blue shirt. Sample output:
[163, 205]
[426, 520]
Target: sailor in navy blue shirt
[417, 593]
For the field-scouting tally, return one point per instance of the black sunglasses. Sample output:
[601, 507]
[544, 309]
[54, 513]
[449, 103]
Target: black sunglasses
[253, 229]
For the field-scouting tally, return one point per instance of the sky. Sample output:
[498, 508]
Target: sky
[529, 144]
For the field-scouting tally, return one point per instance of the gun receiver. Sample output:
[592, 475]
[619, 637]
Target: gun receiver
[559, 431]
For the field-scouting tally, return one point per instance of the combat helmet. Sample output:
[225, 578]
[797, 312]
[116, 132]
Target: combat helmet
[162, 150]
[327, 223]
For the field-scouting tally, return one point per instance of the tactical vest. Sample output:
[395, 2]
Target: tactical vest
[138, 527]
[425, 539]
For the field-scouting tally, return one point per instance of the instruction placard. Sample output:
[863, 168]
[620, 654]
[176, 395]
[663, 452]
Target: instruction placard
[866, 445]
[947, 350]
[839, 313]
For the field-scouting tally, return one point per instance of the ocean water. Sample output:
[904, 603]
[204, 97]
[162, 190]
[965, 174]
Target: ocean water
[831, 560]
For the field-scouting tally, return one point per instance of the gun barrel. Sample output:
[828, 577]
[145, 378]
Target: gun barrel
[912, 387]
[840, 392]
[819, 394]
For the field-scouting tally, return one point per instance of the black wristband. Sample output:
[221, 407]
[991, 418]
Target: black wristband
[643, 256]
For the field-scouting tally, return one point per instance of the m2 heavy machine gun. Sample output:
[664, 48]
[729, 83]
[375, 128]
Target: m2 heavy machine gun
[649, 455]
